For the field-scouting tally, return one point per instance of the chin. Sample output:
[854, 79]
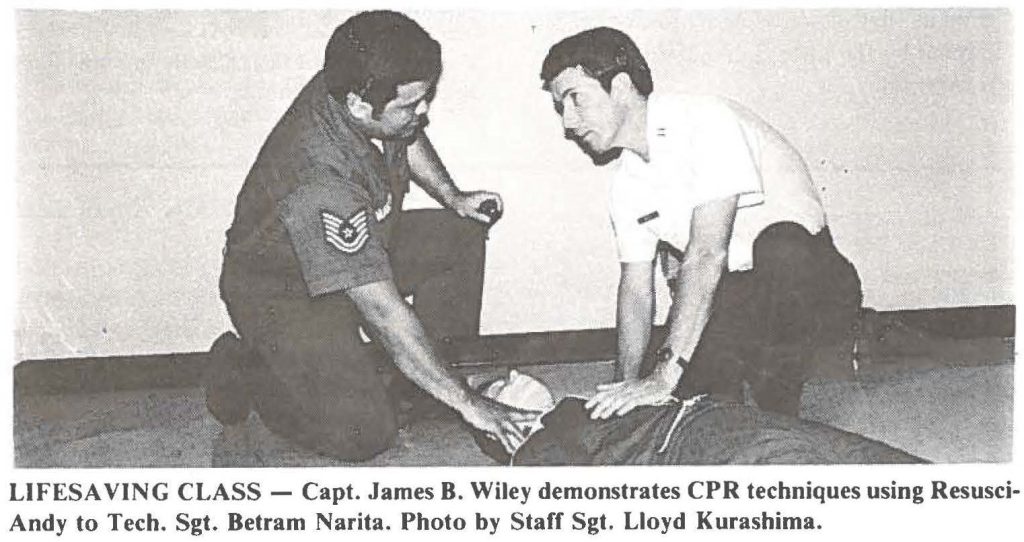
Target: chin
[408, 134]
[606, 157]
[600, 156]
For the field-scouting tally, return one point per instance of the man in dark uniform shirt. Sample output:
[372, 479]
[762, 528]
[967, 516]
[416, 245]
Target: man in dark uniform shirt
[319, 245]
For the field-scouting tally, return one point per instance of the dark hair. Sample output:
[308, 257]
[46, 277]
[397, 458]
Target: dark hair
[602, 53]
[373, 52]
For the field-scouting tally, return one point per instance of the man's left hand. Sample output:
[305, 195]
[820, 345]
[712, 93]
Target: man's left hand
[618, 398]
[467, 204]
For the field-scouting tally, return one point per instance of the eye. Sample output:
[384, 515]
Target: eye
[559, 107]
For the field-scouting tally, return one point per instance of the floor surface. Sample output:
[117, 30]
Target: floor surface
[945, 414]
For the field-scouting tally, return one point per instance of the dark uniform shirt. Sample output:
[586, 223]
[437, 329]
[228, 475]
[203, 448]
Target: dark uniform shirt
[320, 200]
[707, 433]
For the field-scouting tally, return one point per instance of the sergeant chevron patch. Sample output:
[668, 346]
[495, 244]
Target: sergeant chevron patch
[348, 235]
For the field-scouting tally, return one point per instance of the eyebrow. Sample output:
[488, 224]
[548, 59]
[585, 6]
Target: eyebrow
[566, 91]
[417, 99]
[405, 103]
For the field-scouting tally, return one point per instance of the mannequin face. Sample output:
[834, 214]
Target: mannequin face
[521, 390]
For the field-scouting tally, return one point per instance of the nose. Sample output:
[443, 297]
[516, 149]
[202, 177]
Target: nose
[422, 108]
[570, 120]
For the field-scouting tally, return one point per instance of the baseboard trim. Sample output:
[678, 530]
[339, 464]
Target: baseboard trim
[121, 373]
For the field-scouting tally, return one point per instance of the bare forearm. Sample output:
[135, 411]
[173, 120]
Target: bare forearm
[414, 356]
[693, 298]
[429, 172]
[403, 336]
[635, 316]
[397, 326]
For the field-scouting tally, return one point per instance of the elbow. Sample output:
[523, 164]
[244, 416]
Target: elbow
[379, 312]
[373, 308]
[710, 258]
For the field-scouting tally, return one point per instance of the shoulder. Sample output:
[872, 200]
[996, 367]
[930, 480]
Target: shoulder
[310, 122]
[690, 119]
[706, 109]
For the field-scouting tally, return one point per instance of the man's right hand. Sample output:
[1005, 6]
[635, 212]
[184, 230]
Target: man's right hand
[404, 338]
[618, 398]
[499, 421]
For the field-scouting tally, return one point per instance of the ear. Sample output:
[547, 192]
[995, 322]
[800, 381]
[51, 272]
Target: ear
[358, 107]
[621, 83]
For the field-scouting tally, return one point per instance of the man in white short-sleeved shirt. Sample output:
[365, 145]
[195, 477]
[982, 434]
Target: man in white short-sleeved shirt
[729, 206]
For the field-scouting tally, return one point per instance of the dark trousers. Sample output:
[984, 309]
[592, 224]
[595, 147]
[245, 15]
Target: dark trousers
[767, 323]
[312, 379]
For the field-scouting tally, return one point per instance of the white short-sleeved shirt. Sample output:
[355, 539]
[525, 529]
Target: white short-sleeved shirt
[701, 149]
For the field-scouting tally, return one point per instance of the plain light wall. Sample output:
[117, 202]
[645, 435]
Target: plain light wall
[136, 129]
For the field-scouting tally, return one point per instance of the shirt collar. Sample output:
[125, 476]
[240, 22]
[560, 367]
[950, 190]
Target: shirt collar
[657, 130]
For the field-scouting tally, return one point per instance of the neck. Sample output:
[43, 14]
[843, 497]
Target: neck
[632, 135]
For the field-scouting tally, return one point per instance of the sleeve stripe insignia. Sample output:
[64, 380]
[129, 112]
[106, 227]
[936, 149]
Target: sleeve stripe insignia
[348, 235]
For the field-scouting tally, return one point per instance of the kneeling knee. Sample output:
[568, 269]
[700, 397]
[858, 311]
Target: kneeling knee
[470, 231]
[782, 244]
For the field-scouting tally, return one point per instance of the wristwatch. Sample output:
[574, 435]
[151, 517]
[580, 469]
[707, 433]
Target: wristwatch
[666, 355]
